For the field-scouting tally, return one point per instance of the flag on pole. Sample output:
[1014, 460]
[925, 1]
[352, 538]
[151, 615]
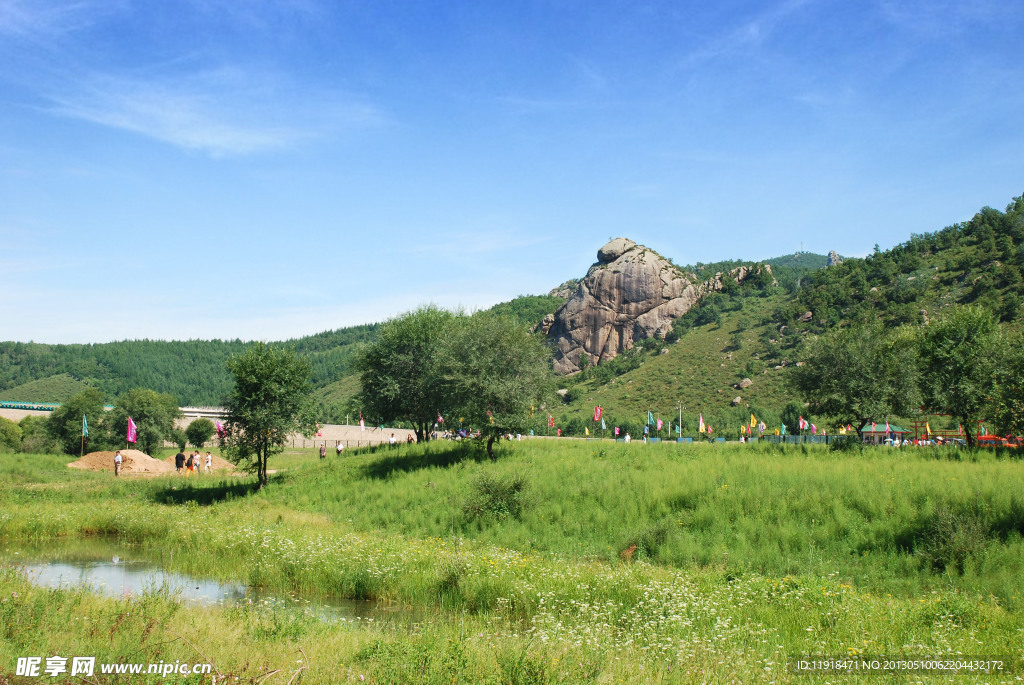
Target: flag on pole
[586, 431]
[133, 433]
[679, 429]
[887, 429]
[85, 427]
[842, 430]
[927, 428]
[849, 428]
[660, 424]
[362, 423]
[551, 421]
[559, 432]
[616, 430]
[814, 429]
[650, 418]
[872, 426]
[220, 429]
[647, 429]
[700, 426]
[597, 414]
[761, 427]
[783, 431]
[753, 421]
[802, 424]
[603, 427]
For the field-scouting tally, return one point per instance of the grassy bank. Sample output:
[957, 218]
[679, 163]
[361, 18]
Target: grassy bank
[743, 557]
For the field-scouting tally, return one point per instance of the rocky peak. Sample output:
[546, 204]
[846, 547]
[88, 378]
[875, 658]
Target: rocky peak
[833, 258]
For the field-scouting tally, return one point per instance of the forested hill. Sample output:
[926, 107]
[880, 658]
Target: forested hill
[980, 261]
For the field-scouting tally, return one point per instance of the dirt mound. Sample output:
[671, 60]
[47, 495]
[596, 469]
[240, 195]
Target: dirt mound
[133, 461]
[216, 465]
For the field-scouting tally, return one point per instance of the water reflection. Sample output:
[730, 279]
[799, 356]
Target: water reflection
[115, 569]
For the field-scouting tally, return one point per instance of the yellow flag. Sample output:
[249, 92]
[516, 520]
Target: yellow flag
[753, 421]
[842, 430]
[927, 428]
[586, 431]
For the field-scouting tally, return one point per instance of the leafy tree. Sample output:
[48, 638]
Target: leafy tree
[1006, 407]
[958, 355]
[494, 373]
[399, 372]
[860, 373]
[791, 414]
[269, 402]
[35, 438]
[153, 413]
[65, 422]
[199, 431]
[10, 435]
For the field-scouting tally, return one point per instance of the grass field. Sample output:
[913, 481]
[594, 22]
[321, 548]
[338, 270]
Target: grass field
[564, 562]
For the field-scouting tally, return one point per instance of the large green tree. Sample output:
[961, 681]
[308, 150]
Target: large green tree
[154, 414]
[860, 373]
[399, 373]
[270, 401]
[959, 352]
[199, 431]
[1006, 407]
[65, 422]
[494, 372]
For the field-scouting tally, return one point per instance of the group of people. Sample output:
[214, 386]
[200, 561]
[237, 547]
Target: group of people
[338, 447]
[193, 463]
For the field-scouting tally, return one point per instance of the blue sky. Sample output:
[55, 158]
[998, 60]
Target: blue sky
[265, 170]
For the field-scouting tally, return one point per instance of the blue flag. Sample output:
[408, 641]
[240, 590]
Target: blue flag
[603, 427]
[85, 427]
[647, 429]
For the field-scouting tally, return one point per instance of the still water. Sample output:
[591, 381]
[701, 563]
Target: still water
[115, 569]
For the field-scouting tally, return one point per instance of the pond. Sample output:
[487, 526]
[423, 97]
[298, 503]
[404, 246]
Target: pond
[113, 568]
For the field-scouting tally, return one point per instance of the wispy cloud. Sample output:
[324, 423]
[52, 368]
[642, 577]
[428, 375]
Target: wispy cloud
[750, 34]
[213, 113]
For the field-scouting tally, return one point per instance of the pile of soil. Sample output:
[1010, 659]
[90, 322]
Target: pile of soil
[132, 461]
[215, 465]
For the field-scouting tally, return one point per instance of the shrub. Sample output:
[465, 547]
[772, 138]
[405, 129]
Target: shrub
[952, 538]
[496, 497]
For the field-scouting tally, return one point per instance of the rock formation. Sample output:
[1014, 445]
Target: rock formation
[631, 293]
[833, 258]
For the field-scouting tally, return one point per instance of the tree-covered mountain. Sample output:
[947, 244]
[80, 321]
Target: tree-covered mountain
[750, 330]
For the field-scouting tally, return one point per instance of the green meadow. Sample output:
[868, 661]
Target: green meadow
[564, 561]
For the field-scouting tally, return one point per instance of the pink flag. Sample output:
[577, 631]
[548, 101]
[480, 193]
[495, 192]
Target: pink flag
[659, 424]
[133, 433]
[616, 430]
[887, 429]
[814, 429]
[362, 424]
[220, 428]
[802, 423]
[440, 419]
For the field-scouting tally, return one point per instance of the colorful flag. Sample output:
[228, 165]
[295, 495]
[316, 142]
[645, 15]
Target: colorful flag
[362, 423]
[927, 428]
[85, 427]
[802, 424]
[679, 429]
[603, 427]
[959, 429]
[872, 426]
[849, 428]
[761, 427]
[650, 418]
[440, 419]
[887, 429]
[783, 431]
[647, 429]
[660, 424]
[220, 428]
[551, 421]
[616, 430]
[814, 429]
[586, 431]
[597, 414]
[559, 432]
[700, 426]
[133, 432]
[531, 431]
[710, 430]
[753, 421]
[842, 430]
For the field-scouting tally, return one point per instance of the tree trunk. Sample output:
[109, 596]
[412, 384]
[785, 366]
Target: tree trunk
[490, 448]
[969, 435]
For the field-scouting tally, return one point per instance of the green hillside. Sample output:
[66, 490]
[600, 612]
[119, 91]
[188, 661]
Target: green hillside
[746, 331]
[58, 388]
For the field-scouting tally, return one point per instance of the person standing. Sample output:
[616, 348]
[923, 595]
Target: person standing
[339, 447]
[323, 451]
[179, 461]
[189, 465]
[209, 462]
[117, 463]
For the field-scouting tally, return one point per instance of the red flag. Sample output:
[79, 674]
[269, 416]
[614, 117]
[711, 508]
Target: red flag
[551, 421]
[597, 414]
[559, 432]
[133, 432]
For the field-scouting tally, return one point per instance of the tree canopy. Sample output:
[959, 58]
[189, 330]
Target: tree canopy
[65, 422]
[860, 373]
[153, 413]
[269, 402]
